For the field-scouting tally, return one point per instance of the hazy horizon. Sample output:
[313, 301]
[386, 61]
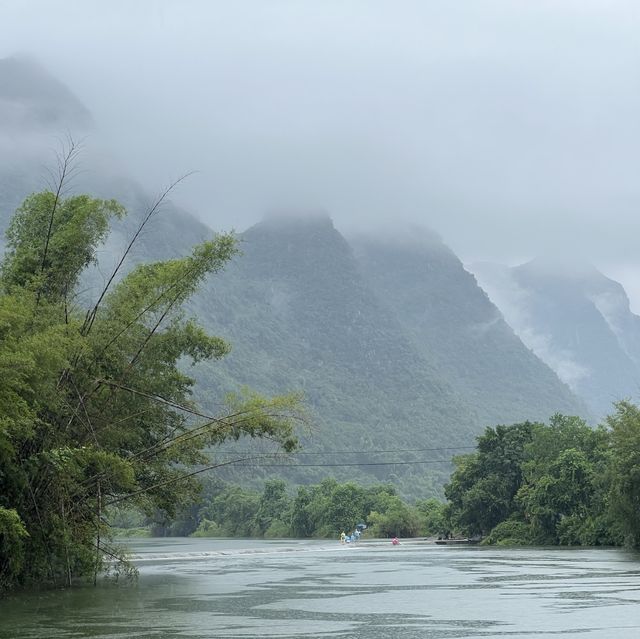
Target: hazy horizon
[509, 128]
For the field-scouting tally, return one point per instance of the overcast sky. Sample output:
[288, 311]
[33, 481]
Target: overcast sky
[511, 127]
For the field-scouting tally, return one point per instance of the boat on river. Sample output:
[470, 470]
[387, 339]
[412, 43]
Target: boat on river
[458, 541]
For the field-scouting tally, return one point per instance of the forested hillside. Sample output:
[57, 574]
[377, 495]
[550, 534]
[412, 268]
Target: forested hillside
[303, 318]
[452, 322]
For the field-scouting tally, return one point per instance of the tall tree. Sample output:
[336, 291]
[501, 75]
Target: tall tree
[482, 491]
[624, 495]
[564, 482]
[95, 407]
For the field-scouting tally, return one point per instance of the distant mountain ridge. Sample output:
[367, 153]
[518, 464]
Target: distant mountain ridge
[577, 320]
[300, 316]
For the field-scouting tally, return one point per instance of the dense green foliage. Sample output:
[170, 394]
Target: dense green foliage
[320, 510]
[561, 483]
[624, 471]
[558, 483]
[94, 407]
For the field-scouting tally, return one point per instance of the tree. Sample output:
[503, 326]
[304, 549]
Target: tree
[52, 240]
[301, 522]
[95, 406]
[345, 508]
[433, 513]
[230, 511]
[273, 508]
[624, 492]
[563, 483]
[536, 483]
[12, 546]
[397, 520]
[483, 487]
[561, 494]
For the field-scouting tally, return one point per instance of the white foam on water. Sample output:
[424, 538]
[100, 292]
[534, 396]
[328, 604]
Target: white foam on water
[330, 547]
[240, 552]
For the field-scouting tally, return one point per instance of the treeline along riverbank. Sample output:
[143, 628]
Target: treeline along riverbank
[561, 483]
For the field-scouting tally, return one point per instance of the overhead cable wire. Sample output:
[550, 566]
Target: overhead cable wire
[341, 465]
[348, 452]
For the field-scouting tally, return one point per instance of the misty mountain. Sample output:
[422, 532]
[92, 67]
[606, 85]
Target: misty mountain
[39, 116]
[576, 320]
[301, 316]
[392, 343]
[33, 100]
[453, 323]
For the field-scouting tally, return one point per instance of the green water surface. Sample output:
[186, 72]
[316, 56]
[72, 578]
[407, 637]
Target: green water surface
[200, 588]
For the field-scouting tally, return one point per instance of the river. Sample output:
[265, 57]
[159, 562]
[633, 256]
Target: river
[201, 588]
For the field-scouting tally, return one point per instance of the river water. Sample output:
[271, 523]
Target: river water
[200, 588]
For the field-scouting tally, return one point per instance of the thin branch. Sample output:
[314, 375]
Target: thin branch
[65, 164]
[84, 408]
[150, 334]
[228, 421]
[173, 480]
[158, 398]
[91, 314]
[145, 310]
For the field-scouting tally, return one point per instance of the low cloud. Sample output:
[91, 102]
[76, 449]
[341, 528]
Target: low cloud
[508, 127]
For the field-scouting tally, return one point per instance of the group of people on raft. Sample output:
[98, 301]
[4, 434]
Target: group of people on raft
[350, 539]
[355, 536]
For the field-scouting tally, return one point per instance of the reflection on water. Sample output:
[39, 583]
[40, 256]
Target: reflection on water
[236, 588]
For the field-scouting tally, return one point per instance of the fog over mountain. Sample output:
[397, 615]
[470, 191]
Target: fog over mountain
[576, 320]
[453, 323]
[509, 127]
